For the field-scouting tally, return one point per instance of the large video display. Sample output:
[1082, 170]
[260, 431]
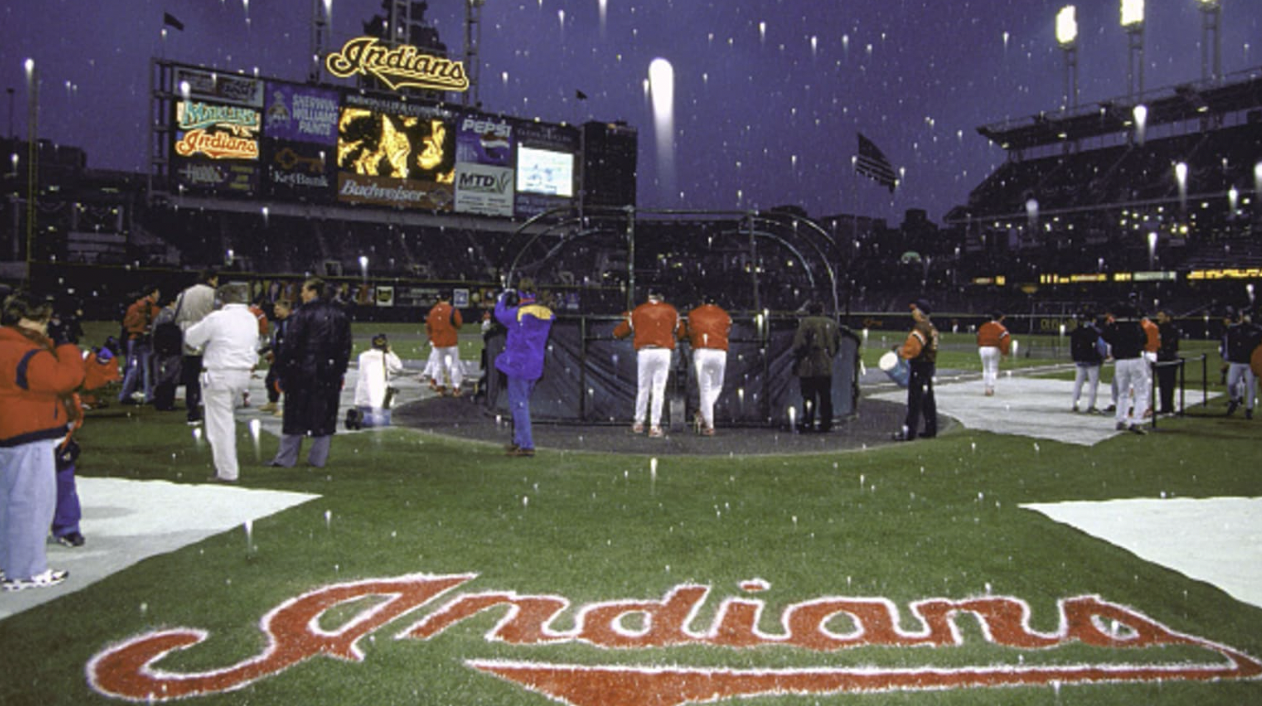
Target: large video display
[398, 154]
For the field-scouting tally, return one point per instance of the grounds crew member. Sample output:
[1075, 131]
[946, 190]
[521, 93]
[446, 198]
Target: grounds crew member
[528, 323]
[920, 350]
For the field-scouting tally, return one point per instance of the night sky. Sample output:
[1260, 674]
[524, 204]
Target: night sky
[768, 94]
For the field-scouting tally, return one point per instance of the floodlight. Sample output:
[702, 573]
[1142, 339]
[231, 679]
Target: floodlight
[1208, 4]
[1132, 13]
[1067, 26]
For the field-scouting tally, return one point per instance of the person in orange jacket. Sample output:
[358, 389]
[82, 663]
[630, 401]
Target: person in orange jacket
[654, 326]
[920, 349]
[708, 328]
[443, 327]
[37, 377]
[993, 343]
[138, 323]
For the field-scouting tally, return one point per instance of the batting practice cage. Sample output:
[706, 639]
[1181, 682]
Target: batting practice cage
[763, 268]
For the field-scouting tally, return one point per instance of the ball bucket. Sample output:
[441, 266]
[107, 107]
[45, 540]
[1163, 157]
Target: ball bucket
[898, 369]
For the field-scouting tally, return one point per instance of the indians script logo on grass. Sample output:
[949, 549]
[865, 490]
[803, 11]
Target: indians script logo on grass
[131, 669]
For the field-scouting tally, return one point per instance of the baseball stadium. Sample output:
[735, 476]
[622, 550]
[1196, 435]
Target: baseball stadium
[1027, 550]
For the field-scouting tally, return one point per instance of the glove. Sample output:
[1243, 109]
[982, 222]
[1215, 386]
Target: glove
[61, 335]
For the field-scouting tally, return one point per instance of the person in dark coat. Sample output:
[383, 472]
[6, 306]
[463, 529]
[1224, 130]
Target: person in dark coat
[312, 364]
[815, 344]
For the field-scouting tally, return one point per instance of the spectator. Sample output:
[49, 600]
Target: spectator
[138, 325]
[280, 313]
[229, 338]
[1167, 359]
[1239, 342]
[1126, 338]
[815, 345]
[168, 349]
[195, 304]
[313, 363]
[37, 375]
[1087, 349]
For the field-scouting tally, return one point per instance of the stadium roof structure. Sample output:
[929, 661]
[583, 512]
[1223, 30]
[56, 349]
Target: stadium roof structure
[1189, 101]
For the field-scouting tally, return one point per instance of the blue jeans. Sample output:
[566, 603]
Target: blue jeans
[138, 375]
[519, 390]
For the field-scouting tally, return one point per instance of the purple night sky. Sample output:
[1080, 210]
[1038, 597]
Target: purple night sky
[768, 93]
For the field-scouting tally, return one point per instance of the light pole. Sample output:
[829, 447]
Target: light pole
[1133, 24]
[1067, 38]
[1211, 40]
[32, 159]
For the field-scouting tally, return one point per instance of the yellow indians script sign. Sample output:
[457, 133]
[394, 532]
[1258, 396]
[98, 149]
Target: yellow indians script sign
[397, 67]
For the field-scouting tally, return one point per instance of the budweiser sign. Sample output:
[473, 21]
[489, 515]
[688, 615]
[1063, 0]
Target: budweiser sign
[397, 67]
[827, 625]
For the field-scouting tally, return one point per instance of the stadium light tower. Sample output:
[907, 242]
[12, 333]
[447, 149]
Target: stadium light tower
[1067, 38]
[472, 40]
[1133, 24]
[1211, 40]
[321, 12]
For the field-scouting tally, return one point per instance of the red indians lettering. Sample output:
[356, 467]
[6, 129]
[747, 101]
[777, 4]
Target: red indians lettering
[129, 669]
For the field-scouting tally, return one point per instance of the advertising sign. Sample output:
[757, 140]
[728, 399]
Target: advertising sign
[218, 87]
[392, 153]
[301, 114]
[484, 190]
[485, 140]
[224, 177]
[299, 170]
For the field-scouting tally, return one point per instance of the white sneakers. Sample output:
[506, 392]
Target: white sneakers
[49, 578]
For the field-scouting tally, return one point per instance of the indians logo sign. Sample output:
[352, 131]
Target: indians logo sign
[827, 625]
[397, 67]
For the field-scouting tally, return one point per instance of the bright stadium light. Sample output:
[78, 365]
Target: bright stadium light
[1067, 37]
[1132, 13]
[1067, 26]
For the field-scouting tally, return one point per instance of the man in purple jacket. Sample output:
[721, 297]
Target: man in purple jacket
[528, 323]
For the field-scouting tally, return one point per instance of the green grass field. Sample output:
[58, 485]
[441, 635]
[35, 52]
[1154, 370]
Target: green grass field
[938, 519]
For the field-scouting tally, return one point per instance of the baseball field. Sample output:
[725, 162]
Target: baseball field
[1028, 555]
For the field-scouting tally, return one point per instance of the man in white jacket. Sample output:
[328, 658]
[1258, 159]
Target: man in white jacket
[229, 338]
[376, 366]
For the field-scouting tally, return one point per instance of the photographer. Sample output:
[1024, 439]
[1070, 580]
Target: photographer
[528, 323]
[373, 393]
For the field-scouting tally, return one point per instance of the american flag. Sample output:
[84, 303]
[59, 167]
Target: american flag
[872, 163]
